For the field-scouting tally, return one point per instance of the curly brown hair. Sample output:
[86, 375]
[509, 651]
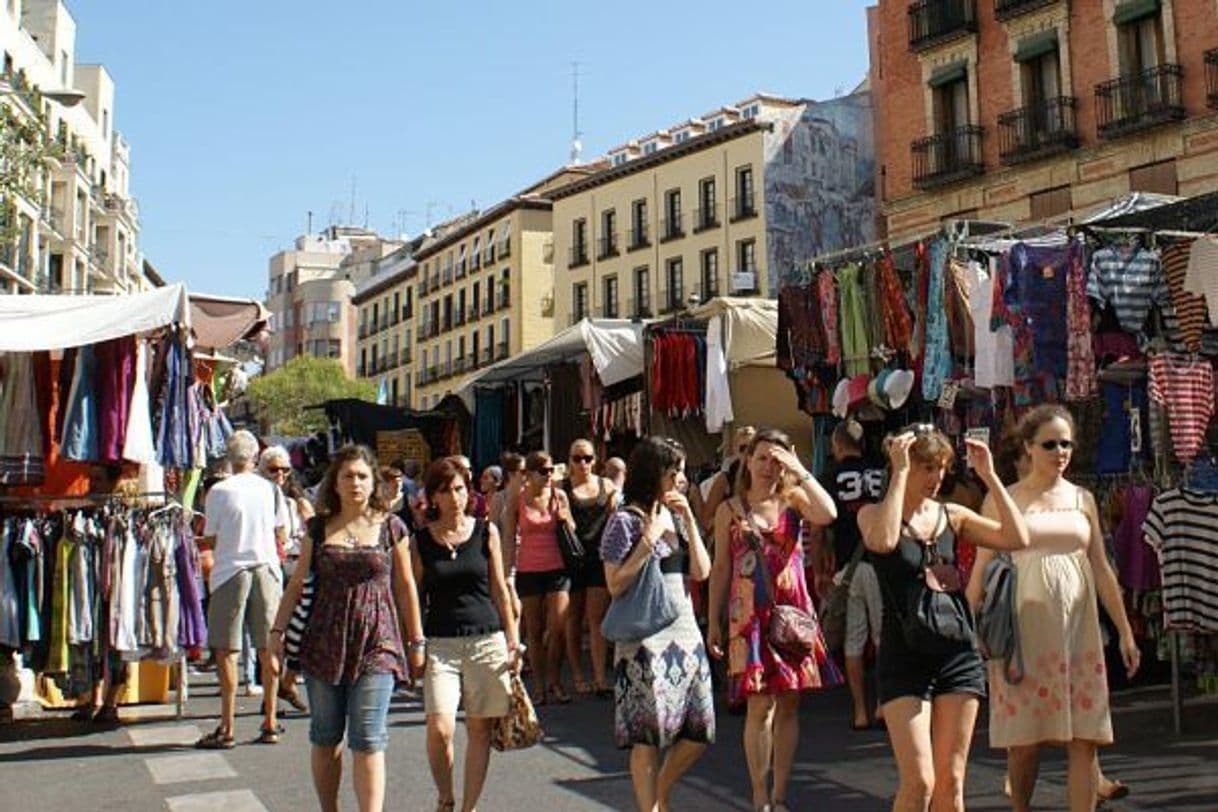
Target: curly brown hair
[328, 502]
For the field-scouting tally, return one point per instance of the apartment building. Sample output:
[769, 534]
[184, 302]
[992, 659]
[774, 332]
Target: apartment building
[385, 304]
[1029, 110]
[723, 204]
[76, 226]
[309, 293]
[485, 289]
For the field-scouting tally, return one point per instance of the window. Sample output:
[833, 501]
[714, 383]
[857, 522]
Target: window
[1050, 203]
[752, 110]
[716, 123]
[363, 363]
[672, 214]
[682, 137]
[474, 298]
[474, 345]
[333, 311]
[490, 340]
[505, 288]
[579, 301]
[746, 256]
[461, 306]
[675, 276]
[1041, 77]
[950, 105]
[620, 158]
[610, 297]
[1140, 42]
[642, 292]
[744, 193]
[608, 234]
[579, 242]
[638, 223]
[650, 147]
[475, 254]
[710, 274]
[1159, 178]
[707, 206]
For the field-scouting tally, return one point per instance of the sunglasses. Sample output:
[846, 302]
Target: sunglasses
[922, 428]
[279, 470]
[546, 471]
[1053, 445]
[586, 458]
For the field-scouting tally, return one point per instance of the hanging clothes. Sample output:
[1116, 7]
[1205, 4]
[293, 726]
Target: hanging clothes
[1125, 409]
[1189, 307]
[80, 429]
[1182, 527]
[116, 378]
[1136, 565]
[856, 350]
[960, 328]
[138, 445]
[995, 352]
[1037, 283]
[1201, 277]
[898, 325]
[1129, 280]
[1186, 388]
[937, 359]
[173, 443]
[827, 297]
[21, 452]
[718, 392]
[1081, 382]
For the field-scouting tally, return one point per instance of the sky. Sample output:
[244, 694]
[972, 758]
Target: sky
[245, 116]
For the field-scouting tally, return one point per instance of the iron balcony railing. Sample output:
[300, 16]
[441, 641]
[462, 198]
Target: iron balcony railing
[638, 237]
[947, 157]
[505, 248]
[505, 299]
[609, 310]
[742, 207]
[502, 349]
[1211, 77]
[1043, 128]
[671, 228]
[710, 287]
[459, 317]
[706, 218]
[1006, 9]
[577, 255]
[1139, 101]
[642, 308]
[608, 247]
[934, 21]
[473, 314]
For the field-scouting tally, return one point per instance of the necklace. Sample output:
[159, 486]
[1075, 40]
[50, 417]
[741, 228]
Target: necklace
[451, 547]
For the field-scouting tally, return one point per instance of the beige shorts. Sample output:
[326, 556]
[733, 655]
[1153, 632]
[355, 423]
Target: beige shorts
[474, 669]
[249, 596]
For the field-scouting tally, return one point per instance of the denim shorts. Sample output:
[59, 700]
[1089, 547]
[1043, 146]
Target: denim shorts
[361, 708]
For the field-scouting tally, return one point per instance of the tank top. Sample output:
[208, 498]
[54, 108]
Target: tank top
[900, 572]
[456, 587]
[590, 516]
[538, 531]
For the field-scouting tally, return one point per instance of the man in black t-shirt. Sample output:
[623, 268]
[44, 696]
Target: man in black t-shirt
[855, 482]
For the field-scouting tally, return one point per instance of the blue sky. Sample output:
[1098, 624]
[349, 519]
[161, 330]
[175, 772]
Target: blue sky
[243, 116]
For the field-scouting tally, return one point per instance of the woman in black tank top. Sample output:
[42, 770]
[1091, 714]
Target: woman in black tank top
[911, 538]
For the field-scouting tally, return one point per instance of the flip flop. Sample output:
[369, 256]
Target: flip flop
[1117, 791]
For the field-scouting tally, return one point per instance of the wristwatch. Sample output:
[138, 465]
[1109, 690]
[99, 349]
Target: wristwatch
[417, 645]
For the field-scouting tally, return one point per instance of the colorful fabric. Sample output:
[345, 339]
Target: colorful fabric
[753, 665]
[827, 296]
[937, 358]
[995, 349]
[1189, 307]
[1186, 388]
[1202, 274]
[1081, 380]
[856, 351]
[1129, 279]
[898, 325]
[1029, 387]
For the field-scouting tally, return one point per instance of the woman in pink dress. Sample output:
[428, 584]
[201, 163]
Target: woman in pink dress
[774, 495]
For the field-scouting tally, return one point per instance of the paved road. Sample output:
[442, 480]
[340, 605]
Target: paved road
[148, 764]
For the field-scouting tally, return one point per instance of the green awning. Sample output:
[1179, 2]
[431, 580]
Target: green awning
[1132, 10]
[1036, 45]
[948, 74]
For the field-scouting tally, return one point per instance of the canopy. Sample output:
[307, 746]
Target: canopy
[615, 345]
[53, 322]
[219, 321]
[750, 328]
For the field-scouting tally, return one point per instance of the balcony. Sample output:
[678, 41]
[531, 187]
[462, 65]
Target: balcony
[607, 247]
[488, 306]
[1211, 77]
[710, 287]
[638, 238]
[932, 22]
[1006, 9]
[475, 260]
[433, 284]
[505, 299]
[473, 313]
[1038, 130]
[505, 248]
[459, 317]
[671, 228]
[743, 207]
[461, 269]
[1139, 101]
[447, 276]
[489, 253]
[577, 256]
[501, 351]
[391, 361]
[609, 310]
[947, 157]
[363, 331]
[706, 218]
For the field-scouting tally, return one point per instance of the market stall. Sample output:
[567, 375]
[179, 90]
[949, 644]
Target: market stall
[1110, 316]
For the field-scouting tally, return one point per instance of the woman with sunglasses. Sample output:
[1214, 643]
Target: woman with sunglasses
[758, 562]
[1063, 695]
[593, 498]
[930, 685]
[542, 580]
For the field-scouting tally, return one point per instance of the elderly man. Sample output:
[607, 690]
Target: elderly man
[246, 525]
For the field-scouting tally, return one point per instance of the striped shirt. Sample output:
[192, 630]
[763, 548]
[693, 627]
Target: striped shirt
[1182, 527]
[1202, 274]
[1186, 389]
[1130, 282]
[1189, 307]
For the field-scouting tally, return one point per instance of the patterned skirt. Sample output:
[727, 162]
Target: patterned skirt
[662, 684]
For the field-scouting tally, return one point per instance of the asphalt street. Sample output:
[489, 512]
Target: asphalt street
[148, 763]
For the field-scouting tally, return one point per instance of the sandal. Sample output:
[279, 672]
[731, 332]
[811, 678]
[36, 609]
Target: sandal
[558, 695]
[292, 697]
[444, 806]
[268, 735]
[107, 714]
[218, 739]
[1116, 791]
[84, 713]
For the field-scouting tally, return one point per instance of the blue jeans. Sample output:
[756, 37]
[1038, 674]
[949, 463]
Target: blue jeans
[361, 708]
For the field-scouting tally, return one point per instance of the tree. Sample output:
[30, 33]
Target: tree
[279, 399]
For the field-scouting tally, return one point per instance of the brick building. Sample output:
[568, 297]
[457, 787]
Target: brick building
[1025, 110]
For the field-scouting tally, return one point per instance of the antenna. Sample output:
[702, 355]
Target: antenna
[309, 228]
[351, 206]
[577, 148]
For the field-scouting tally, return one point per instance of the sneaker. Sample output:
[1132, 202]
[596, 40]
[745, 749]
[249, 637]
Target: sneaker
[253, 690]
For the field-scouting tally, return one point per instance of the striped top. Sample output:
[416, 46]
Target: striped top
[1189, 307]
[1202, 274]
[1130, 281]
[1182, 527]
[1186, 388]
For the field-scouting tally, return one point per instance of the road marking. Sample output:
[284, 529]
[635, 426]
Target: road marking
[241, 800]
[163, 735]
[192, 767]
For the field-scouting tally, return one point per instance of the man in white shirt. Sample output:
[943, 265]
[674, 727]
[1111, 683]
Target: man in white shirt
[246, 527]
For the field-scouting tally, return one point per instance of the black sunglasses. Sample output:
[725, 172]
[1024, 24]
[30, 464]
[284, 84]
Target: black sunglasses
[588, 458]
[546, 471]
[1053, 445]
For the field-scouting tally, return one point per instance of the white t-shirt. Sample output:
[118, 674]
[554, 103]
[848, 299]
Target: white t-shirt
[243, 513]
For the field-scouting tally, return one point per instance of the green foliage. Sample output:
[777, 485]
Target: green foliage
[279, 399]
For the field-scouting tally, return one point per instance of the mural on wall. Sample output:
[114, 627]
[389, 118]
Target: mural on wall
[819, 183]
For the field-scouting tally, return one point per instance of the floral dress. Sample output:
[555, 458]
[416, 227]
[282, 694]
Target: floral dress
[754, 667]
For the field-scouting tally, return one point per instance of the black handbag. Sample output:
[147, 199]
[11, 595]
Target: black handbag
[572, 549]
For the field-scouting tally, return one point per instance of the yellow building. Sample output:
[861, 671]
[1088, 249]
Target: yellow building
[724, 204]
[385, 336]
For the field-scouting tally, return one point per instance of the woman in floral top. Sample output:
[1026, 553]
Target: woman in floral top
[352, 653]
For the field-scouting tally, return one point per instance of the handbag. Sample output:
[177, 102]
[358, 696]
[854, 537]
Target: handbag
[294, 633]
[833, 609]
[572, 549]
[792, 631]
[997, 620]
[520, 728]
[937, 619]
[646, 607]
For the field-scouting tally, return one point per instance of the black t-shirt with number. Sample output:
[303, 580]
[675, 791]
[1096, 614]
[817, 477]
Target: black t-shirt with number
[853, 483]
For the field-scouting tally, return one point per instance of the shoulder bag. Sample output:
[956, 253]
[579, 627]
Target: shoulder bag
[792, 630]
[833, 609]
[520, 728]
[572, 549]
[646, 607]
[294, 633]
[997, 620]
[937, 619]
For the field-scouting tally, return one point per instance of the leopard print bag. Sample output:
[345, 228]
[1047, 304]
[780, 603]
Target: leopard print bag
[520, 728]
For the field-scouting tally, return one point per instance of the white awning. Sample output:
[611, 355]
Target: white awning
[750, 328]
[615, 345]
[53, 322]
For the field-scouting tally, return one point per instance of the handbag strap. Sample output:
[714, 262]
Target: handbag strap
[853, 564]
[753, 536]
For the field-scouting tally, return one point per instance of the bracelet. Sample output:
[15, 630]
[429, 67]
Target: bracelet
[416, 645]
[807, 477]
[276, 631]
[517, 648]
